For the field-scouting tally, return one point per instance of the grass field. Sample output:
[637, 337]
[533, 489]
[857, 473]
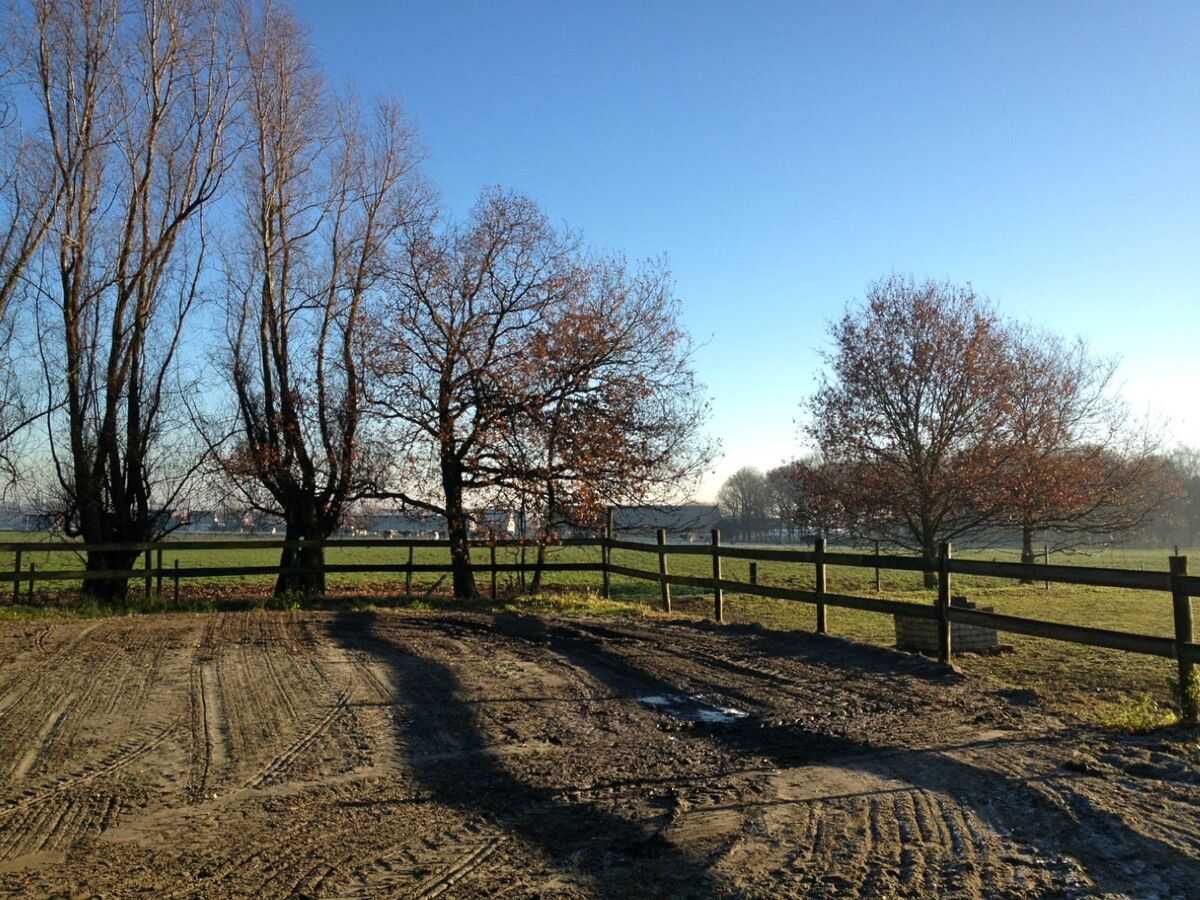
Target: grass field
[1106, 684]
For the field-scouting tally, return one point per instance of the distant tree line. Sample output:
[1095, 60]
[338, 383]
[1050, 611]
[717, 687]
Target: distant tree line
[220, 276]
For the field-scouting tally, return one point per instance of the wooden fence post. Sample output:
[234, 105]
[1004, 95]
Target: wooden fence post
[878, 583]
[754, 573]
[943, 604]
[32, 573]
[492, 542]
[521, 563]
[159, 568]
[718, 593]
[17, 578]
[1046, 561]
[606, 556]
[147, 567]
[662, 570]
[1182, 602]
[408, 574]
[819, 549]
[177, 581]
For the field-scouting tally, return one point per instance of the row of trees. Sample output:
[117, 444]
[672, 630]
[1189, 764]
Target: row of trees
[760, 505]
[939, 421]
[222, 275]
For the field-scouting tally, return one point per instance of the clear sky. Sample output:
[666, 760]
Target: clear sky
[783, 155]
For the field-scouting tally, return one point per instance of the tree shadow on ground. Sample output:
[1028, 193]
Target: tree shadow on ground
[1099, 840]
[578, 837]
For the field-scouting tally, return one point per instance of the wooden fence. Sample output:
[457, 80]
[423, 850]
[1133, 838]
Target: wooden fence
[1177, 582]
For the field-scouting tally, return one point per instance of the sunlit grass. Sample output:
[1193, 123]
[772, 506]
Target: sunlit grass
[1075, 676]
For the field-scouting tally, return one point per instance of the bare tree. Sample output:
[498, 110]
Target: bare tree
[28, 199]
[1182, 519]
[785, 496]
[326, 188]
[910, 414]
[453, 339]
[133, 104]
[1078, 468]
[745, 498]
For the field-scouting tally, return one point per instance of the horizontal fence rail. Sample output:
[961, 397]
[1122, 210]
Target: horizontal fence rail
[1177, 582]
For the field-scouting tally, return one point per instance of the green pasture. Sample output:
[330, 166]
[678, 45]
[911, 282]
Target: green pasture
[1062, 673]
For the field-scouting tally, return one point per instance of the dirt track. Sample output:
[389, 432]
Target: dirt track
[357, 755]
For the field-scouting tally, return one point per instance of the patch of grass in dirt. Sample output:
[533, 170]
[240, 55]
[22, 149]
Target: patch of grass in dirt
[1132, 714]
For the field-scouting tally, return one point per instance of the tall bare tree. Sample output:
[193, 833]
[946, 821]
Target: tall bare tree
[28, 198]
[133, 103]
[326, 188]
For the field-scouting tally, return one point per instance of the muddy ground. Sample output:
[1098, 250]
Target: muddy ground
[358, 754]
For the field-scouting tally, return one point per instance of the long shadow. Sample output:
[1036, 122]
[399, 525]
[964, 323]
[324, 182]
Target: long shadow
[581, 839]
[1007, 802]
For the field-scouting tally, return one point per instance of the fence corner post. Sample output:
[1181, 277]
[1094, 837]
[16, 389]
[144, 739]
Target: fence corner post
[1181, 601]
[819, 584]
[662, 570]
[606, 555]
[945, 631]
[718, 593]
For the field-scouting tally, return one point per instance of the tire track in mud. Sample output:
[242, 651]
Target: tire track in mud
[205, 733]
[474, 798]
[25, 682]
[346, 857]
[51, 816]
[114, 763]
[47, 722]
[967, 849]
[281, 763]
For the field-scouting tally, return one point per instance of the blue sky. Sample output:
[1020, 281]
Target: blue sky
[783, 155]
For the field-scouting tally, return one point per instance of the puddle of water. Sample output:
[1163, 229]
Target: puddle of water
[693, 708]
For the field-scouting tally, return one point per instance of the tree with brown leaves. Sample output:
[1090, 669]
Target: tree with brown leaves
[518, 368]
[910, 413]
[610, 412]
[452, 340]
[1078, 469]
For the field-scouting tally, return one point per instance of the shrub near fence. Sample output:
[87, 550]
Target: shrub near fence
[1177, 582]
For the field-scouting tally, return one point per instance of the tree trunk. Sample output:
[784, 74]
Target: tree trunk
[108, 591]
[536, 584]
[1027, 557]
[457, 530]
[929, 558]
[311, 557]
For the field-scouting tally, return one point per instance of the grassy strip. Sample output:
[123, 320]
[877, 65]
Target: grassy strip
[1079, 680]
